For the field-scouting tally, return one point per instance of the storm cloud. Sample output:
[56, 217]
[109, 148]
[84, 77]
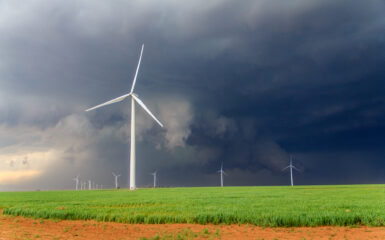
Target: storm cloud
[244, 83]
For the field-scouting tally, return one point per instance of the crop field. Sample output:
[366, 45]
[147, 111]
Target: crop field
[262, 206]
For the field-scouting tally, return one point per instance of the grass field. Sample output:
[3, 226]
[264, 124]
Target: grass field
[262, 206]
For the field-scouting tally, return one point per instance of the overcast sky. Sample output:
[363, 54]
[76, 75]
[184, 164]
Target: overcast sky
[246, 83]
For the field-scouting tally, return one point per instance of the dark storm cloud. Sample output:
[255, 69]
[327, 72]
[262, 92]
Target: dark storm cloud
[245, 83]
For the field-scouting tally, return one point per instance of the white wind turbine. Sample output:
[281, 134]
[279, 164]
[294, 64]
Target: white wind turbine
[154, 174]
[77, 181]
[116, 180]
[89, 185]
[134, 98]
[222, 173]
[291, 166]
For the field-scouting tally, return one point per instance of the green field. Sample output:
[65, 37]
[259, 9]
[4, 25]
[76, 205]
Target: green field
[262, 206]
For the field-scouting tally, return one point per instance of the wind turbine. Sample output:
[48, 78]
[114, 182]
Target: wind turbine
[77, 181]
[134, 98]
[116, 180]
[89, 185]
[154, 174]
[291, 166]
[222, 172]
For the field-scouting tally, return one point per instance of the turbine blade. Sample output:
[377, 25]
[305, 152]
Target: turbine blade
[285, 168]
[146, 109]
[296, 168]
[225, 173]
[115, 100]
[137, 70]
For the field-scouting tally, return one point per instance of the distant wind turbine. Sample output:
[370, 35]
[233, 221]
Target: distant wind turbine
[89, 185]
[154, 174]
[291, 166]
[116, 180]
[77, 181]
[222, 173]
[134, 98]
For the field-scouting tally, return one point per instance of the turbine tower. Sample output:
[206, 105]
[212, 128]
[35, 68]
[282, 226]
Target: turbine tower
[291, 166]
[222, 173]
[116, 180]
[89, 185]
[154, 174]
[77, 182]
[134, 98]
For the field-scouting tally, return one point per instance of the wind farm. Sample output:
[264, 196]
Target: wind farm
[262, 206]
[225, 205]
[171, 120]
